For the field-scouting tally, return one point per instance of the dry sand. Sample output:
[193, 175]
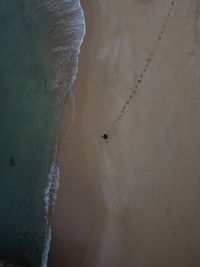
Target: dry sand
[133, 200]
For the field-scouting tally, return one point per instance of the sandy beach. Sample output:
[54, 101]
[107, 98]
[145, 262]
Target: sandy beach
[133, 199]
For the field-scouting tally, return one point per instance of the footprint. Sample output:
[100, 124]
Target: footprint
[144, 70]
[152, 54]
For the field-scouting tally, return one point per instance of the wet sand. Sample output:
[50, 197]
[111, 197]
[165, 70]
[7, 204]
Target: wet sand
[80, 212]
[133, 199]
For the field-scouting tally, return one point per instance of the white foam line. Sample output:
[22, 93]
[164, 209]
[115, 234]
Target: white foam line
[47, 244]
[50, 193]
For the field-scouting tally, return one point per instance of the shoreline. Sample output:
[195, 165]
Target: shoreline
[52, 189]
[87, 191]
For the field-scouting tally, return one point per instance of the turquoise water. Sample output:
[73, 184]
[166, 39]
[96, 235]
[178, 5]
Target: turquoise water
[33, 75]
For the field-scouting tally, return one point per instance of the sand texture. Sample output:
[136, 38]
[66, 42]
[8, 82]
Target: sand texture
[133, 199]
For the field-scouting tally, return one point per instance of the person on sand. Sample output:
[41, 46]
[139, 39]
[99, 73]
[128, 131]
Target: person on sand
[105, 136]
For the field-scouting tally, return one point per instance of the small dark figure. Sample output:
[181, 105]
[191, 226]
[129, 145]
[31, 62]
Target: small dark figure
[12, 161]
[105, 136]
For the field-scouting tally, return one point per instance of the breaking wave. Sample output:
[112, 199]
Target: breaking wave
[61, 26]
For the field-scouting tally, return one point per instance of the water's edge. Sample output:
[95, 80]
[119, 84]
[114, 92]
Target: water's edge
[39, 49]
[51, 191]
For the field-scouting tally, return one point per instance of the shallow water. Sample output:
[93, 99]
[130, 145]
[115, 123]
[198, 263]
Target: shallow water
[32, 78]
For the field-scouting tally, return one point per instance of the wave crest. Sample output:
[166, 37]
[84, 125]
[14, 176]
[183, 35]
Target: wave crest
[61, 25]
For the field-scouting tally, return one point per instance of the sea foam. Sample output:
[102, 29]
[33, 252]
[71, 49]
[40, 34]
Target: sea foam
[70, 24]
[61, 24]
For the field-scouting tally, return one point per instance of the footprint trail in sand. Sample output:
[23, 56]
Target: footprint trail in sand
[107, 134]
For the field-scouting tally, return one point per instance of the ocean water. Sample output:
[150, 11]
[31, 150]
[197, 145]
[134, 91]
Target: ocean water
[39, 48]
